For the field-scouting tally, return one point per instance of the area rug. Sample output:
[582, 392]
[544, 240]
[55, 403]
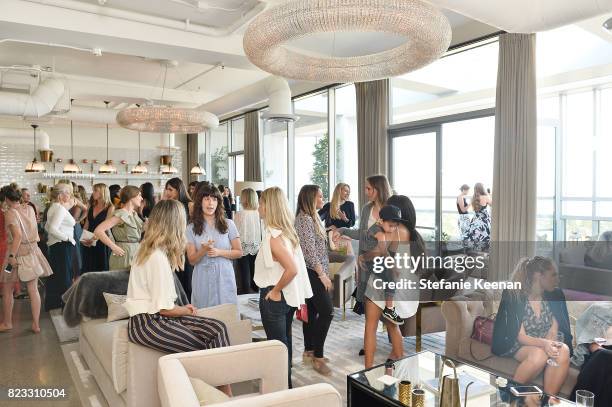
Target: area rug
[64, 332]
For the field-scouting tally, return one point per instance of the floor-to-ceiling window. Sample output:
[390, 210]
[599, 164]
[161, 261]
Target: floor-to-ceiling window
[219, 166]
[345, 132]
[312, 142]
[236, 153]
[275, 154]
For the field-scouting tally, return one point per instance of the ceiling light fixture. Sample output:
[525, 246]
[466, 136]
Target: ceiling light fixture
[168, 169]
[34, 165]
[107, 167]
[139, 168]
[427, 32]
[197, 170]
[166, 119]
[71, 167]
[608, 24]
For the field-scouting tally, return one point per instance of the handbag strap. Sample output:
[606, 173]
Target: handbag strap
[22, 228]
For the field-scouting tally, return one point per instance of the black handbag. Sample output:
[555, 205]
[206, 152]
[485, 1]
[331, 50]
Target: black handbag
[358, 308]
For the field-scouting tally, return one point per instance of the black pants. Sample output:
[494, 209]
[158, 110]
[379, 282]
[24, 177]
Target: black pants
[596, 377]
[247, 271]
[277, 317]
[320, 314]
[60, 256]
[185, 277]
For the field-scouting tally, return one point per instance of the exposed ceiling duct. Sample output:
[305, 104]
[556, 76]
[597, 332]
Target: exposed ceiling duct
[279, 100]
[41, 102]
[527, 16]
[92, 115]
[42, 138]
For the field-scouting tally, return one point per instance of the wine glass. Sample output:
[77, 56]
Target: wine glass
[585, 398]
[557, 344]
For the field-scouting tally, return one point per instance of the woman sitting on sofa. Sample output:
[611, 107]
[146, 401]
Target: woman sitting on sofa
[155, 321]
[528, 321]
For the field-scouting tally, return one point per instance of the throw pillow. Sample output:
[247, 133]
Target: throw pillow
[206, 393]
[116, 310]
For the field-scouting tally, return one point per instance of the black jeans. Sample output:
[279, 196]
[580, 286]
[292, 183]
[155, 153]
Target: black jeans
[320, 314]
[247, 271]
[277, 317]
[60, 256]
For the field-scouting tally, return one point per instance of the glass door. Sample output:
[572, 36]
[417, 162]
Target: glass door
[414, 163]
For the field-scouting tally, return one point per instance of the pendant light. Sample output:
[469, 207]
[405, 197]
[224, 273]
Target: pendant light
[197, 170]
[139, 168]
[34, 165]
[168, 169]
[108, 167]
[71, 167]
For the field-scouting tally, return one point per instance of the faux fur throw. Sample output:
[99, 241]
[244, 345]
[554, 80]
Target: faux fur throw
[85, 299]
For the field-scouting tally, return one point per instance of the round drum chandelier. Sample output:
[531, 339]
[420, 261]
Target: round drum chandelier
[166, 119]
[426, 30]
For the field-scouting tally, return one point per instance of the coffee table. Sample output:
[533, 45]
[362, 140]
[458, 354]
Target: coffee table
[248, 310]
[423, 369]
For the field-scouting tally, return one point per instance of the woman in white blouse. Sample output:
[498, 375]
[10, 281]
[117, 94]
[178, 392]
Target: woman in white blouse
[60, 227]
[280, 270]
[249, 227]
[155, 320]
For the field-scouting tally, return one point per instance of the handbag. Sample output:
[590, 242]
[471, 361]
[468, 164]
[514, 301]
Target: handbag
[482, 332]
[302, 313]
[29, 266]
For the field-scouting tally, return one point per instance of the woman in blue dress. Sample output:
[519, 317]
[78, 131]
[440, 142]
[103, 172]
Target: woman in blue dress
[212, 243]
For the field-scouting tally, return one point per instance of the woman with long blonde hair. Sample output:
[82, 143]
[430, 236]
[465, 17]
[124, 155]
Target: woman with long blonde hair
[339, 212]
[249, 226]
[100, 208]
[155, 320]
[280, 269]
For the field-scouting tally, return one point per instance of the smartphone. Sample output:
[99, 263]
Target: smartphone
[525, 390]
[8, 269]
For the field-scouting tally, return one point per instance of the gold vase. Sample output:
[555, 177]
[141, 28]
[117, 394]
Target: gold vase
[418, 398]
[46, 156]
[405, 392]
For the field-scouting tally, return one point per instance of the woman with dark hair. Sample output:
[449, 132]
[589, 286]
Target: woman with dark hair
[313, 242]
[479, 231]
[396, 236]
[212, 243]
[126, 228]
[148, 199]
[227, 203]
[114, 194]
[22, 229]
[175, 190]
[462, 207]
[193, 185]
[528, 324]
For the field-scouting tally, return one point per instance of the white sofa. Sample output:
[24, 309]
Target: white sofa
[126, 372]
[264, 362]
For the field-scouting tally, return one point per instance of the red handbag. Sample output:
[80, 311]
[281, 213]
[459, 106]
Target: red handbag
[302, 313]
[483, 329]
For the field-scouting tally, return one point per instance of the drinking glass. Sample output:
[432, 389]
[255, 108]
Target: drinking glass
[600, 341]
[558, 344]
[585, 398]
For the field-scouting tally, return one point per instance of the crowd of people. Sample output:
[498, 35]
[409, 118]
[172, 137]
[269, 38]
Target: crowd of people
[196, 232]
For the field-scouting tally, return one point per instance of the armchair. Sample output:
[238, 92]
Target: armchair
[262, 361]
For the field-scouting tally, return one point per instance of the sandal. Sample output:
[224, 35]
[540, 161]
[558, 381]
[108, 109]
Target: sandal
[321, 367]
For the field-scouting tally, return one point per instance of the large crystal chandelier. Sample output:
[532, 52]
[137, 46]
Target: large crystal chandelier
[166, 119]
[426, 31]
[34, 165]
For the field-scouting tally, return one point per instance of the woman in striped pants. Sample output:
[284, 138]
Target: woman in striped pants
[155, 320]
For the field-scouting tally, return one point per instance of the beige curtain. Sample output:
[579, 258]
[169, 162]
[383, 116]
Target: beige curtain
[192, 156]
[514, 168]
[252, 163]
[372, 121]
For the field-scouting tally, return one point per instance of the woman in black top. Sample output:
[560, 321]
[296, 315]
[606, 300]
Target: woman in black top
[100, 208]
[340, 212]
[175, 189]
[462, 207]
[148, 199]
[227, 202]
[528, 321]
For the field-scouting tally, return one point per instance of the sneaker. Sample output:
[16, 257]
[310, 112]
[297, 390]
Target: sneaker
[392, 316]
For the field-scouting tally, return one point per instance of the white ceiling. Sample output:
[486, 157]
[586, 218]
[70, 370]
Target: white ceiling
[133, 46]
